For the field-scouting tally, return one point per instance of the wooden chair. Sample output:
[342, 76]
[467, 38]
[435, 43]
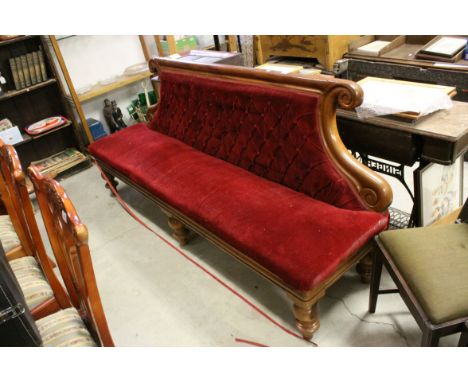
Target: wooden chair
[44, 294]
[69, 240]
[429, 265]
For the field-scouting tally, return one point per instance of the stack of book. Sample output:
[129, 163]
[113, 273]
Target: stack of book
[28, 69]
[60, 162]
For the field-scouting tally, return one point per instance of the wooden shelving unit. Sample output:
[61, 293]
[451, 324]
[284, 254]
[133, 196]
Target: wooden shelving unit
[28, 138]
[98, 90]
[26, 106]
[14, 93]
[122, 81]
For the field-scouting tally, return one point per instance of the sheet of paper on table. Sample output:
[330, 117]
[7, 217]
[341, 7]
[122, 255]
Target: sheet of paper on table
[280, 68]
[373, 48]
[446, 46]
[385, 97]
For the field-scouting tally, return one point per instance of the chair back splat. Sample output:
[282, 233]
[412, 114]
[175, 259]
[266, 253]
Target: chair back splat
[22, 216]
[69, 240]
[8, 200]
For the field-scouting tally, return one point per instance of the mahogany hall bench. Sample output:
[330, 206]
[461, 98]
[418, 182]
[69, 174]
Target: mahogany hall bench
[253, 162]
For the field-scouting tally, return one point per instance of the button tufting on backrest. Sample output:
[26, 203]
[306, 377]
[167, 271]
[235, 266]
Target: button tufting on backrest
[272, 132]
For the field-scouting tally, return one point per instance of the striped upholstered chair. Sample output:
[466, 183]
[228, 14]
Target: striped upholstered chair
[84, 324]
[41, 288]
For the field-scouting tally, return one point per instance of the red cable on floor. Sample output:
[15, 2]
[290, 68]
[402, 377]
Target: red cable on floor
[251, 343]
[178, 250]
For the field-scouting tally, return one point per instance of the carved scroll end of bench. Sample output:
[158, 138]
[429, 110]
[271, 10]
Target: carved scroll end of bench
[379, 197]
[374, 191]
[348, 95]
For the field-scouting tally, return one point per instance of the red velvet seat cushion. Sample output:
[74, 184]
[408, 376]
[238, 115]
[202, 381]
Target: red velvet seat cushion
[298, 238]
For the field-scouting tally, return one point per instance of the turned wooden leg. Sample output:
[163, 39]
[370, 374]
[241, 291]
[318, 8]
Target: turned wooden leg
[364, 268]
[307, 317]
[180, 232]
[112, 180]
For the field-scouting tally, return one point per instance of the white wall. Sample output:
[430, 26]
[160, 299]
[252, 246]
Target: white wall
[91, 59]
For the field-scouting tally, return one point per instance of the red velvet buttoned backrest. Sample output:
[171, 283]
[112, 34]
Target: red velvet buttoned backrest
[270, 131]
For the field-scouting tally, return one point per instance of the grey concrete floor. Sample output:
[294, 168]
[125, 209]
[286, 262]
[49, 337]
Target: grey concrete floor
[153, 296]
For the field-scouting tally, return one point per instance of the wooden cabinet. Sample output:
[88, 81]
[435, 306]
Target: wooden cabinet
[325, 48]
[35, 102]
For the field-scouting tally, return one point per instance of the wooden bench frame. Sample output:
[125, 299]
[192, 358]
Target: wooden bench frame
[374, 191]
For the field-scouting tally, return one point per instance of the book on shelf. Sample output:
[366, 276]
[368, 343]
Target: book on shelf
[14, 73]
[372, 49]
[19, 69]
[32, 72]
[59, 162]
[24, 65]
[37, 67]
[42, 65]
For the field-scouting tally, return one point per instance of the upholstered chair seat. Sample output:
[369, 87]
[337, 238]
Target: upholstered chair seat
[8, 236]
[436, 270]
[63, 329]
[35, 287]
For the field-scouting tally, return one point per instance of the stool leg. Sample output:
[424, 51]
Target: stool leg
[464, 337]
[375, 280]
[429, 338]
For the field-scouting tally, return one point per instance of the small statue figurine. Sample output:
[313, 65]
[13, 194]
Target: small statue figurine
[118, 116]
[108, 115]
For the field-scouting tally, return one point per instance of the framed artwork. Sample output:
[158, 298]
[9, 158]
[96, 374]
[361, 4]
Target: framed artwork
[441, 190]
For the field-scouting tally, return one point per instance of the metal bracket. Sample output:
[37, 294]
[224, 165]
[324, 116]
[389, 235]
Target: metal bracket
[11, 312]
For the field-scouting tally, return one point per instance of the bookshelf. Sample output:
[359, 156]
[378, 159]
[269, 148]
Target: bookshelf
[30, 104]
[14, 93]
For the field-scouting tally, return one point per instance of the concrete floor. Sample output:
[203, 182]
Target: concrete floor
[153, 296]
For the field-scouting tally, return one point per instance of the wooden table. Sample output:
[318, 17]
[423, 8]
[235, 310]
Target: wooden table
[438, 138]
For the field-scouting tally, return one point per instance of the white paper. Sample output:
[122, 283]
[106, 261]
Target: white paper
[447, 45]
[279, 68]
[374, 46]
[384, 98]
[11, 136]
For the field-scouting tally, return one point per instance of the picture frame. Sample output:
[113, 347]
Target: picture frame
[441, 190]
